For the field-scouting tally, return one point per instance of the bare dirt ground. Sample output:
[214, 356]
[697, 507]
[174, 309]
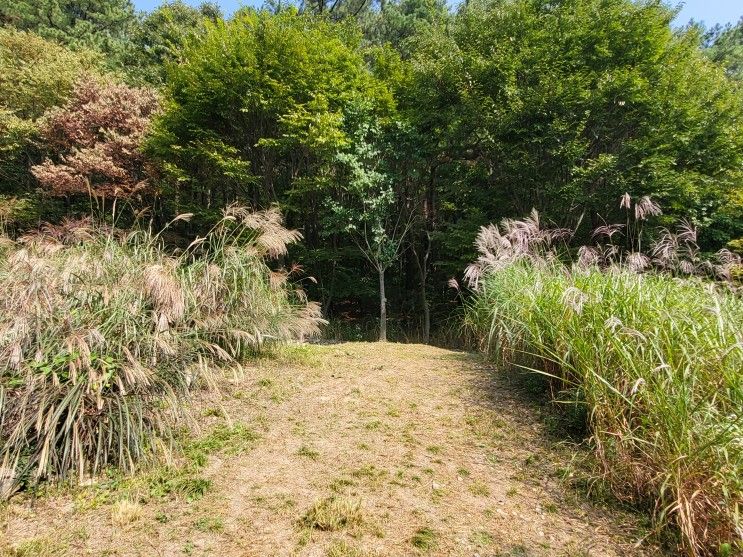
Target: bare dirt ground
[349, 450]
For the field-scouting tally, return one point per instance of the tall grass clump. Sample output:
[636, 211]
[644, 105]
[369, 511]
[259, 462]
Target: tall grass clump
[103, 331]
[656, 359]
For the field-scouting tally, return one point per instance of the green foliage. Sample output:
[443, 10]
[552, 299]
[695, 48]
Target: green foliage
[36, 76]
[255, 111]
[102, 25]
[725, 47]
[160, 36]
[655, 360]
[548, 105]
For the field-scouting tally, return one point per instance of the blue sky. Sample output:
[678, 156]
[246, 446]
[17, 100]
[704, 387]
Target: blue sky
[709, 11]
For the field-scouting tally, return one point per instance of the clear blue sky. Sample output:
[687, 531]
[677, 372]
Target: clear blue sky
[708, 11]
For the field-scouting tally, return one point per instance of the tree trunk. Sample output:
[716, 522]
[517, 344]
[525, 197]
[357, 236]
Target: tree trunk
[382, 308]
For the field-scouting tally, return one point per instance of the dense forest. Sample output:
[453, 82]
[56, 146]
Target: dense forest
[387, 133]
[555, 183]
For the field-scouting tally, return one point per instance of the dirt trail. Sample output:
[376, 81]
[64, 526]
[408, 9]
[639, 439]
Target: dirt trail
[405, 450]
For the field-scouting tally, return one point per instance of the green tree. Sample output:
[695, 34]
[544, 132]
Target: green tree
[725, 47]
[103, 25]
[160, 36]
[255, 112]
[551, 105]
[367, 208]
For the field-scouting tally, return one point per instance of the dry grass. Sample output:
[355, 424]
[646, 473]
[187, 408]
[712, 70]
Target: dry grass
[370, 491]
[333, 513]
[125, 512]
[103, 332]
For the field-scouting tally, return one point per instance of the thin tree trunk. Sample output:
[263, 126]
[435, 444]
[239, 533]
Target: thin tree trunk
[382, 307]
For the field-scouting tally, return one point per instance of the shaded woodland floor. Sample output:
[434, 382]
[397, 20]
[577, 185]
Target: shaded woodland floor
[347, 450]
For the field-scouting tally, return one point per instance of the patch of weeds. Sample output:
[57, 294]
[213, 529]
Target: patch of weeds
[393, 412]
[341, 548]
[424, 539]
[408, 438]
[338, 484]
[550, 507]
[161, 517]
[368, 471]
[363, 446]
[125, 512]
[188, 548]
[332, 514]
[479, 489]
[233, 440]
[213, 412]
[512, 491]
[373, 425]
[299, 354]
[481, 538]
[174, 481]
[308, 452]
[434, 449]
[265, 382]
[39, 547]
[437, 493]
[211, 524]
[463, 472]
[277, 398]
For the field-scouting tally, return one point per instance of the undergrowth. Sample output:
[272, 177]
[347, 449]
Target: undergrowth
[654, 360]
[102, 332]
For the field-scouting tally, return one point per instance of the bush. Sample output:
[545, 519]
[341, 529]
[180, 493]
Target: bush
[647, 348]
[102, 332]
[657, 361]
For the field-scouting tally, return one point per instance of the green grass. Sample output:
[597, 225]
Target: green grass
[424, 539]
[651, 364]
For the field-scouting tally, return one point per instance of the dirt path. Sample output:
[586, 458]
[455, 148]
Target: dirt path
[350, 450]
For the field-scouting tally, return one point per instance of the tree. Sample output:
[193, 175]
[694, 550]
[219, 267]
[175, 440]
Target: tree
[725, 47]
[160, 36]
[36, 75]
[545, 104]
[368, 208]
[102, 25]
[396, 22]
[96, 140]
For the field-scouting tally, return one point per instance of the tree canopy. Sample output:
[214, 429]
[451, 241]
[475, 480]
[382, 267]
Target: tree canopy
[361, 116]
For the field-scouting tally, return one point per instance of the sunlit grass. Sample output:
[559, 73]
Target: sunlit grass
[657, 364]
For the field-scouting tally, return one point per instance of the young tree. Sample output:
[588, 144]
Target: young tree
[368, 208]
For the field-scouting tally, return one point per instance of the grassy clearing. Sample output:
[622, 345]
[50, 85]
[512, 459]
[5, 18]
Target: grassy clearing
[102, 332]
[654, 364]
[225, 492]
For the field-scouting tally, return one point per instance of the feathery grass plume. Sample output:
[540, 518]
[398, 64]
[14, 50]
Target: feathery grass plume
[101, 332]
[655, 358]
